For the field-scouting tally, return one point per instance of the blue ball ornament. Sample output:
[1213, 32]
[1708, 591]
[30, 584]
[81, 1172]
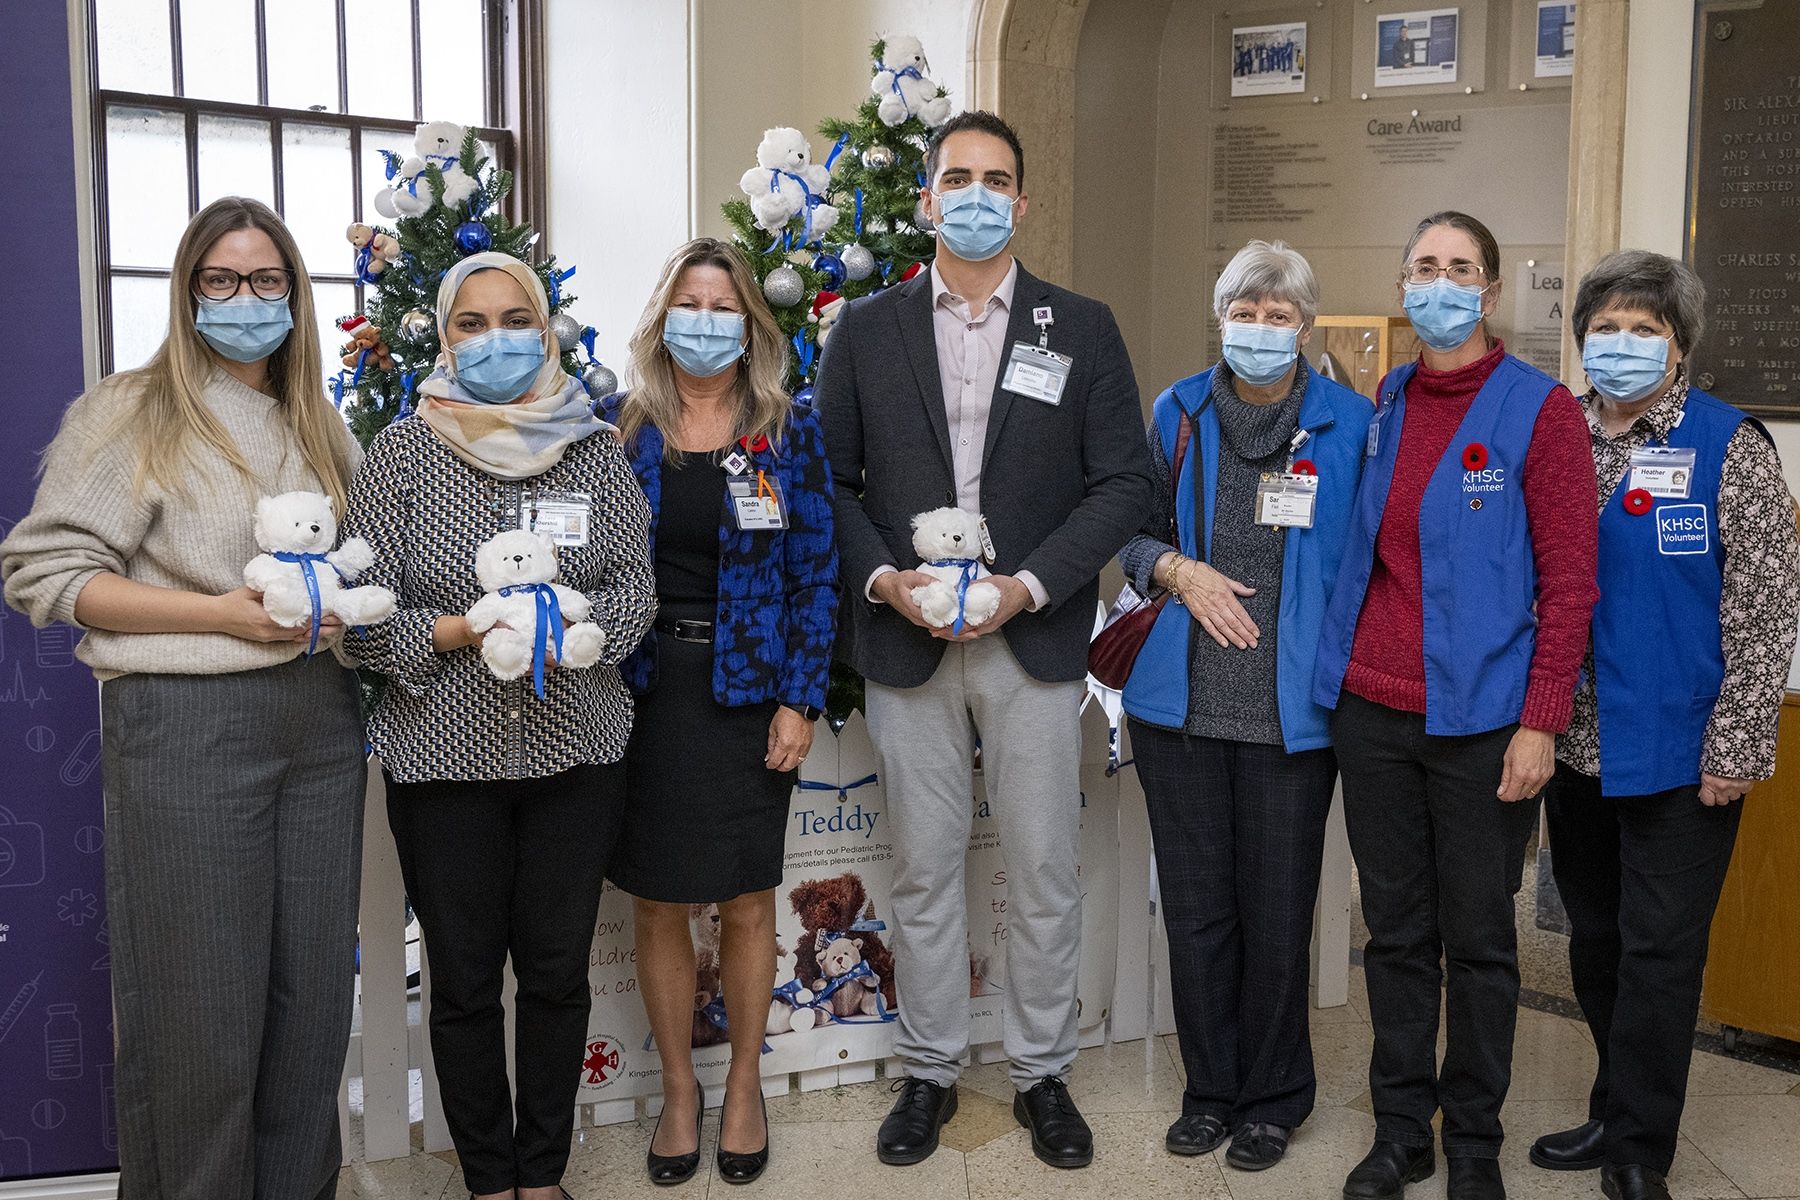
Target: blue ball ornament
[804, 396]
[472, 237]
[832, 267]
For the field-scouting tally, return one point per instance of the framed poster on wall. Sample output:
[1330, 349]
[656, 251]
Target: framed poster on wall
[1417, 47]
[1555, 38]
[1268, 60]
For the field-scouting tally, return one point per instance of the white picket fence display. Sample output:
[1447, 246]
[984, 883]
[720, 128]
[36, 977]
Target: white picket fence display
[389, 1041]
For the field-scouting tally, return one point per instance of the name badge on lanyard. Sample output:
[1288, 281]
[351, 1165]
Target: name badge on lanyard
[1666, 472]
[757, 503]
[1285, 499]
[1037, 373]
[563, 517]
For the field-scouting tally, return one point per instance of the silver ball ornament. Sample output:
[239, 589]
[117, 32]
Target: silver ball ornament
[783, 287]
[859, 261]
[920, 221]
[418, 324]
[599, 380]
[566, 330]
[878, 157]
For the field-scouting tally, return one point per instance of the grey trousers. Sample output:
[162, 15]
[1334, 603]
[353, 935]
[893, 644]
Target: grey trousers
[1031, 752]
[234, 834]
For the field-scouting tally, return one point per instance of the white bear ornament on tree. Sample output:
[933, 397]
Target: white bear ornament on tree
[903, 87]
[786, 185]
[436, 142]
[524, 610]
[301, 577]
[949, 544]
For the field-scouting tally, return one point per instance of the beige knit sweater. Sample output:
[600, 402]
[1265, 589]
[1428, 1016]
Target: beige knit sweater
[85, 520]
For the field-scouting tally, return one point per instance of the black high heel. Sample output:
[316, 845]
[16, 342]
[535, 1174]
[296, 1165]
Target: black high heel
[667, 1170]
[742, 1168]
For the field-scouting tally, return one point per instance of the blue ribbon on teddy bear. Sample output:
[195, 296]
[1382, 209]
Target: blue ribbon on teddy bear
[968, 566]
[811, 202]
[548, 627]
[306, 561]
[861, 971]
[909, 72]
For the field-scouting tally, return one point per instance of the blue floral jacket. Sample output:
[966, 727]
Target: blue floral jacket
[778, 588]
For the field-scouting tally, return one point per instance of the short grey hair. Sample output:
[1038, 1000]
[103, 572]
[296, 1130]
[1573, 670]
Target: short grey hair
[1657, 283]
[1268, 271]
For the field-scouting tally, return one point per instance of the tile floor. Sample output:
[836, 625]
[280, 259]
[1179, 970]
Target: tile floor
[1740, 1139]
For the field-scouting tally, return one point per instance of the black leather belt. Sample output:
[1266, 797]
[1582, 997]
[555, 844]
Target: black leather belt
[685, 631]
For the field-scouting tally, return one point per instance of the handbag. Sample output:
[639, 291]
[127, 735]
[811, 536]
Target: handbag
[1114, 650]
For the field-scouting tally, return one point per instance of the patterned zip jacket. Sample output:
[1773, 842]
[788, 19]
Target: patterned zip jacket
[778, 588]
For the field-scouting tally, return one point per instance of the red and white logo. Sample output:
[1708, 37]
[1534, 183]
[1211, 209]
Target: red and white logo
[604, 1061]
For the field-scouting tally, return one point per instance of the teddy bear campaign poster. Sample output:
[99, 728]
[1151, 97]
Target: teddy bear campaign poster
[835, 999]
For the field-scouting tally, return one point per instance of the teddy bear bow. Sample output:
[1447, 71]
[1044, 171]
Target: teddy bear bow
[549, 626]
[307, 564]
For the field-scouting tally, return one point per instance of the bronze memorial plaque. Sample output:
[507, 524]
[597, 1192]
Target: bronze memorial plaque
[1743, 201]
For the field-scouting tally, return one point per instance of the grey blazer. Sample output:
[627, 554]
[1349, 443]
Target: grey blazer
[1063, 486]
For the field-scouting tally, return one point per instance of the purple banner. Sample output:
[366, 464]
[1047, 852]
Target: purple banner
[56, 1058]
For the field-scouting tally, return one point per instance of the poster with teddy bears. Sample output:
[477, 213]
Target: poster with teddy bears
[835, 1000]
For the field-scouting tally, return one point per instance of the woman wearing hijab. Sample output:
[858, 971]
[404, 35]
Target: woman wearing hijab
[504, 802]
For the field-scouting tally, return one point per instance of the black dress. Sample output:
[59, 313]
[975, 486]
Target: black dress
[705, 820]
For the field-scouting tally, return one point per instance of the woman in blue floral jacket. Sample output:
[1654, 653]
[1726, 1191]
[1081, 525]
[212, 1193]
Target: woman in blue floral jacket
[729, 680]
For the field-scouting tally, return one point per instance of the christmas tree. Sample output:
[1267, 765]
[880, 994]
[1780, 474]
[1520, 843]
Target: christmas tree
[880, 235]
[445, 207]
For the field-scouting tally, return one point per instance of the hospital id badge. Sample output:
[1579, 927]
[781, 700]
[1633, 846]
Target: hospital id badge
[757, 503]
[1666, 472]
[563, 517]
[1286, 500]
[1037, 373]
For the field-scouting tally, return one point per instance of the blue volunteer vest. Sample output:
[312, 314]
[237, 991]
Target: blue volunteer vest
[1658, 660]
[1337, 420]
[1478, 573]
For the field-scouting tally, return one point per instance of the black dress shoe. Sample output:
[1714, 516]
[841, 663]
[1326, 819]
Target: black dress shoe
[1576, 1149]
[1257, 1146]
[1632, 1182]
[670, 1169]
[742, 1168]
[1059, 1137]
[1195, 1133]
[909, 1133]
[1386, 1170]
[1475, 1179]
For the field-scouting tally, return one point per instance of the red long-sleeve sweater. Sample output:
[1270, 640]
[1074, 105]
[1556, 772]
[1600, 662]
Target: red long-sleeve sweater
[1387, 659]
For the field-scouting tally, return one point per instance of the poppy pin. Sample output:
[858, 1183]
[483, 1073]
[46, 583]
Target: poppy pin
[1475, 456]
[755, 445]
[1304, 466]
[1637, 502]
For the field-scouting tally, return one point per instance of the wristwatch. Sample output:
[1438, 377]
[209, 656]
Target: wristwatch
[806, 710]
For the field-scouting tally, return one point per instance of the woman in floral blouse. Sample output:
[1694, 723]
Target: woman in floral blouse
[1675, 719]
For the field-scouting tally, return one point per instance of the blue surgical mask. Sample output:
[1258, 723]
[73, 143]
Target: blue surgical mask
[1259, 354]
[244, 328]
[1443, 314]
[975, 221]
[703, 343]
[1623, 366]
[497, 366]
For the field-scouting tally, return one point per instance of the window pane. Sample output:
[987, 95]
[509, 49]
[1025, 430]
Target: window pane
[132, 40]
[146, 185]
[380, 56]
[315, 175]
[331, 301]
[374, 167]
[140, 318]
[218, 49]
[235, 160]
[302, 38]
[451, 53]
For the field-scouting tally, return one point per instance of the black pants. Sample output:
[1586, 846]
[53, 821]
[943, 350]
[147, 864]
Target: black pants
[1640, 877]
[1439, 858]
[1239, 832]
[497, 868]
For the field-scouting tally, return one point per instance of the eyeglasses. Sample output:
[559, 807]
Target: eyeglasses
[1465, 273]
[222, 283]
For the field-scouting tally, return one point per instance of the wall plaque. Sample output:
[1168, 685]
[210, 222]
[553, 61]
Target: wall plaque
[1743, 201]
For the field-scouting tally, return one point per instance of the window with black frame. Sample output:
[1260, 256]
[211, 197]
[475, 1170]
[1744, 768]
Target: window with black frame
[290, 102]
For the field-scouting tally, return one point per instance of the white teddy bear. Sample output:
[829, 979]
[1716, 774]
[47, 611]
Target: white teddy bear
[903, 87]
[515, 568]
[297, 531]
[434, 141]
[774, 185]
[948, 543]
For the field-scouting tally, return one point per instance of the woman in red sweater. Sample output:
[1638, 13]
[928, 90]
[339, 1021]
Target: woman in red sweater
[1450, 652]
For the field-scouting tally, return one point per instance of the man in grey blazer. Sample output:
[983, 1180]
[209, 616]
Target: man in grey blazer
[978, 386]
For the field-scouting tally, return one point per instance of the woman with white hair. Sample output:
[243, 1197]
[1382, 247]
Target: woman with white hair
[1257, 460]
[505, 797]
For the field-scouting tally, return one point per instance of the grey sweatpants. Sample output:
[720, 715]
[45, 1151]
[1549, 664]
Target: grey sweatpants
[1031, 753]
[233, 848]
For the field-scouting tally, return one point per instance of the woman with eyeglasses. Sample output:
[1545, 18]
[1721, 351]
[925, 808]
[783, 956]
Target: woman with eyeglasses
[1449, 652]
[233, 760]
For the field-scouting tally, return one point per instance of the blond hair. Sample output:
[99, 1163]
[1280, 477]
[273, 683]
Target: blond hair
[763, 400]
[166, 413]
